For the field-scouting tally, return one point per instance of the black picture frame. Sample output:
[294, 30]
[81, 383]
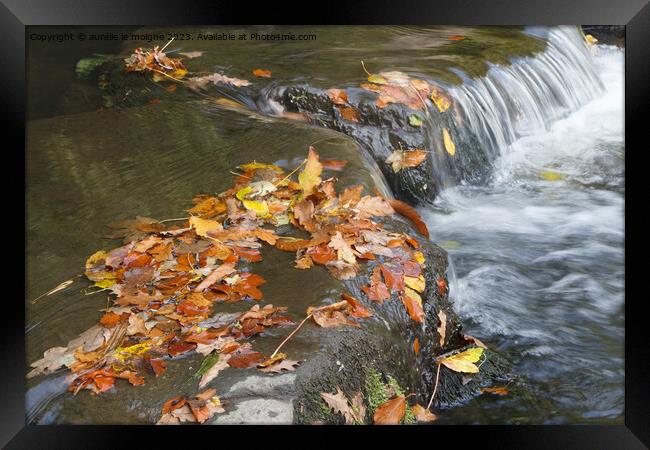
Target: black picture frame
[15, 15]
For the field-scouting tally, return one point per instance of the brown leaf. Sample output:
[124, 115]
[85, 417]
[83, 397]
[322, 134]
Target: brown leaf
[338, 402]
[349, 113]
[495, 390]
[422, 414]
[334, 164]
[337, 96]
[219, 365]
[392, 412]
[411, 214]
[401, 159]
[442, 329]
[413, 303]
[216, 275]
[287, 365]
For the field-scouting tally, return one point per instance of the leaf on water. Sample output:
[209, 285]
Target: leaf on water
[216, 275]
[442, 329]
[550, 175]
[411, 214]
[449, 144]
[263, 73]
[422, 414]
[455, 37]
[204, 226]
[464, 361]
[334, 164]
[415, 120]
[392, 412]
[309, 178]
[495, 390]
[261, 209]
[401, 159]
[337, 96]
[343, 249]
[208, 207]
[370, 206]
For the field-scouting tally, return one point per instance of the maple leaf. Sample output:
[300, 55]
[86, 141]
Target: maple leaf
[392, 412]
[309, 178]
[464, 361]
[343, 249]
[338, 402]
[401, 159]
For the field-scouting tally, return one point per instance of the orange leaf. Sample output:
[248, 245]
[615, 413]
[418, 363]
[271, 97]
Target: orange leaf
[392, 412]
[338, 96]
[411, 214]
[349, 113]
[262, 73]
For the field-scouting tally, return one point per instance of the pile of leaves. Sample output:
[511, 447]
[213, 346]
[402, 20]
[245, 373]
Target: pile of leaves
[166, 281]
[157, 62]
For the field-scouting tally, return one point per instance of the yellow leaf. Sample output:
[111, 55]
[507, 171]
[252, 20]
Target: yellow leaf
[441, 100]
[179, 73]
[309, 178]
[260, 208]
[241, 194]
[449, 144]
[419, 257]
[464, 361]
[417, 284]
[590, 39]
[203, 226]
[95, 259]
[550, 175]
[256, 165]
[377, 79]
[106, 283]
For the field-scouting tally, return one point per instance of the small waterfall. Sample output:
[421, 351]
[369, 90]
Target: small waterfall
[517, 100]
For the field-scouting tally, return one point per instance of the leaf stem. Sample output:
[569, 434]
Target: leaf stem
[435, 388]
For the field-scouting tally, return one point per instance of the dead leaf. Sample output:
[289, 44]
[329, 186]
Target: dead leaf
[337, 96]
[449, 144]
[392, 412]
[464, 361]
[401, 159]
[309, 178]
[442, 329]
[495, 390]
[220, 364]
[422, 414]
[262, 73]
[338, 403]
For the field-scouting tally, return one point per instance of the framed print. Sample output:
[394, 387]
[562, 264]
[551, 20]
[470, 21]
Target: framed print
[414, 215]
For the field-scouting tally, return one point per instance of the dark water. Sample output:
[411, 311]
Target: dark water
[538, 263]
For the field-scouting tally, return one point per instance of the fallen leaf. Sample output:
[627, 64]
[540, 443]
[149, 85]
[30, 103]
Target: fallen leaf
[401, 159]
[413, 303]
[440, 99]
[392, 412]
[464, 361]
[217, 366]
[416, 345]
[262, 73]
[337, 96]
[216, 275]
[449, 144]
[422, 414]
[442, 329]
[193, 54]
[338, 403]
[349, 113]
[415, 120]
[495, 390]
[411, 214]
[309, 178]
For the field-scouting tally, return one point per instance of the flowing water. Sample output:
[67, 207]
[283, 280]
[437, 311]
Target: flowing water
[534, 230]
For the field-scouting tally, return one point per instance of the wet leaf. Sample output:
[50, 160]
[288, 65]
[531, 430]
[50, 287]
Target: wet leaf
[449, 144]
[212, 371]
[263, 73]
[495, 390]
[192, 54]
[216, 275]
[401, 159]
[550, 175]
[411, 214]
[422, 414]
[338, 403]
[442, 329]
[309, 178]
[413, 303]
[464, 361]
[337, 96]
[415, 120]
[440, 99]
[392, 412]
[349, 113]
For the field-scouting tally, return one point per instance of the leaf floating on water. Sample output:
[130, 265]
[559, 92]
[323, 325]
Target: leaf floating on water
[591, 41]
[495, 390]
[334, 164]
[401, 159]
[309, 178]
[422, 414]
[440, 99]
[449, 144]
[464, 361]
[391, 413]
[263, 73]
[350, 114]
[455, 38]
